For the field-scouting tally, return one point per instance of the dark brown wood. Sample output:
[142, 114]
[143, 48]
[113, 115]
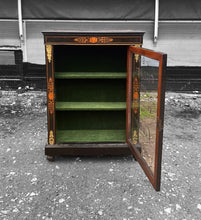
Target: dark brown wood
[50, 94]
[95, 149]
[162, 58]
[93, 37]
[99, 149]
[160, 121]
[128, 95]
[78, 38]
[86, 32]
[147, 53]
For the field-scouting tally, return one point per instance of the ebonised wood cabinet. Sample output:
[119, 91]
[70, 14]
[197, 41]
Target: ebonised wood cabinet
[105, 96]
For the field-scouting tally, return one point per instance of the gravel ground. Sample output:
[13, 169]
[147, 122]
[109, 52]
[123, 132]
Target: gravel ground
[100, 187]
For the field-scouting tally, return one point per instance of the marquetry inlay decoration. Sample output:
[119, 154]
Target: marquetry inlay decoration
[49, 52]
[137, 45]
[136, 89]
[51, 137]
[136, 108]
[135, 137]
[50, 96]
[93, 40]
[136, 85]
[137, 55]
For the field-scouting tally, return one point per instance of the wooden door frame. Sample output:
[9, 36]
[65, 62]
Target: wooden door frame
[162, 58]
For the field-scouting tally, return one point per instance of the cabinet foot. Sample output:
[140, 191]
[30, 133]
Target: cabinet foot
[50, 158]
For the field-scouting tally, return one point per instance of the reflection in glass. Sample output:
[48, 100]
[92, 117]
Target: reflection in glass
[144, 107]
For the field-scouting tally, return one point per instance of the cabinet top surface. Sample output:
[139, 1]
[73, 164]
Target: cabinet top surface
[88, 32]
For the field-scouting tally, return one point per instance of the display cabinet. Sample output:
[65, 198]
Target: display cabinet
[105, 96]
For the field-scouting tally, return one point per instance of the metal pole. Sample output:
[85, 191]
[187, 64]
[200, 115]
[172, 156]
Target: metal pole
[25, 42]
[156, 20]
[20, 21]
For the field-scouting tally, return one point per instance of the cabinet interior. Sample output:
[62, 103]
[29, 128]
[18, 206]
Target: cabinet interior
[90, 89]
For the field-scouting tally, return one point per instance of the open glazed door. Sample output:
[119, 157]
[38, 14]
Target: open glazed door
[145, 109]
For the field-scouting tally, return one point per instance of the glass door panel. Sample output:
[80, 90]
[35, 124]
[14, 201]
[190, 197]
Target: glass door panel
[145, 109]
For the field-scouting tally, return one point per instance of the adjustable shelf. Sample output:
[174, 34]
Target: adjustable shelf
[87, 136]
[90, 75]
[80, 106]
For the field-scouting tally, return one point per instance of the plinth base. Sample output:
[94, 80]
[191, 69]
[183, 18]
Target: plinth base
[94, 149]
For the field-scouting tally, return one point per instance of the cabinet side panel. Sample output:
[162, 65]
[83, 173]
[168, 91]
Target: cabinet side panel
[50, 94]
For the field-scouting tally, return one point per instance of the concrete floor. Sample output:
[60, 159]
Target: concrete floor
[98, 187]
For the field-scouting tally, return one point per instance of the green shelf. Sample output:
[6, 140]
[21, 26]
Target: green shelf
[90, 75]
[86, 136]
[79, 106]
